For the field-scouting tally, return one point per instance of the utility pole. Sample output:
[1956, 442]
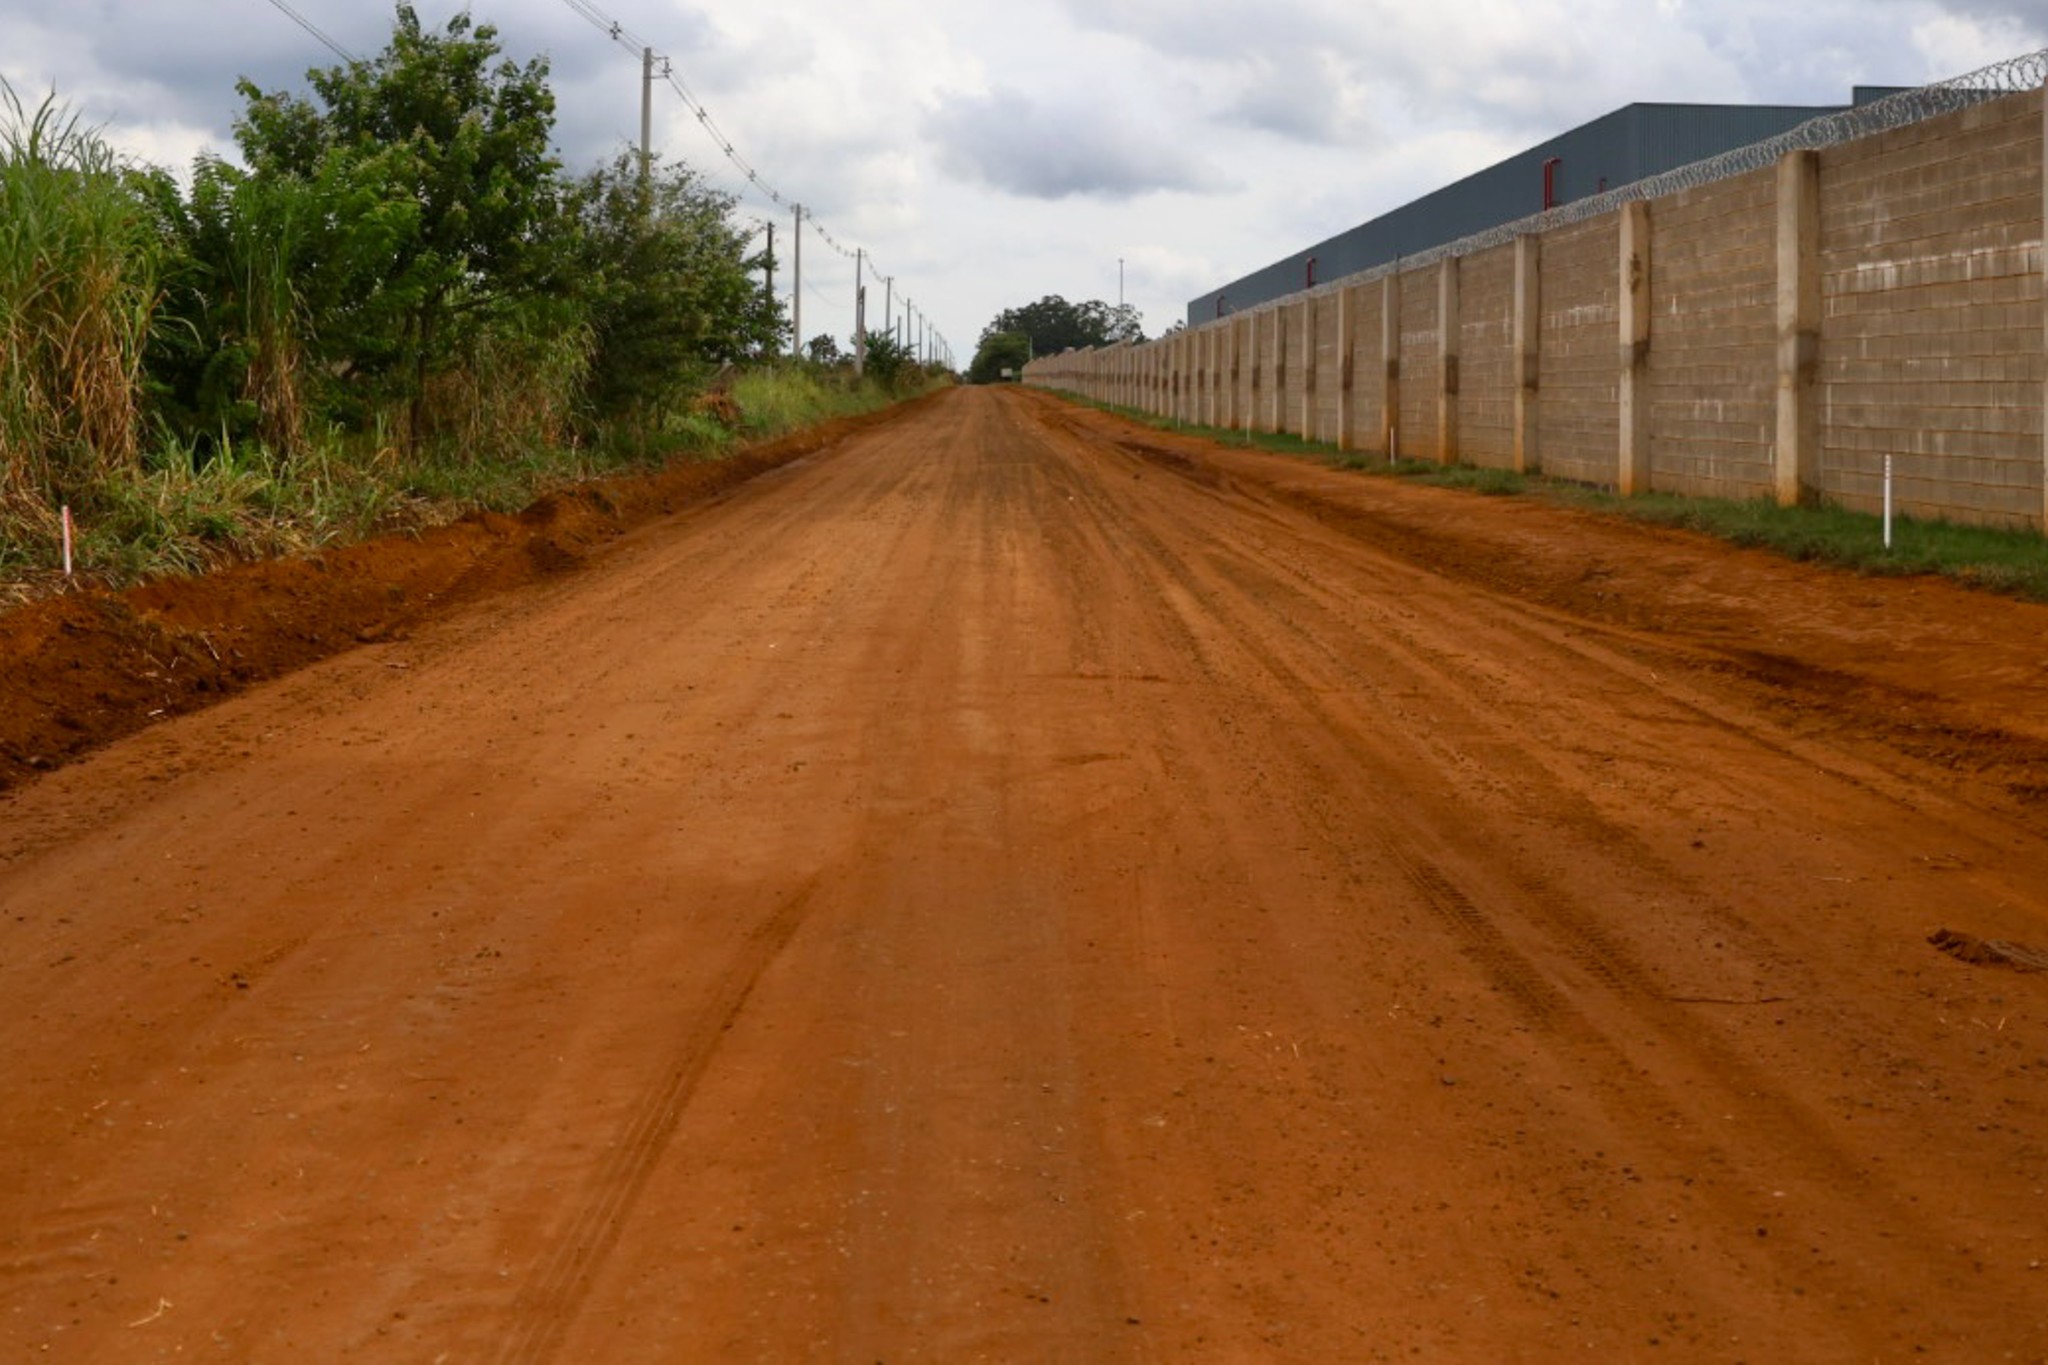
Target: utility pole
[1119, 281]
[860, 312]
[796, 292]
[889, 305]
[646, 120]
[770, 263]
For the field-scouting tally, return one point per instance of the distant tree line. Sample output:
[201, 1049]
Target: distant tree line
[1047, 327]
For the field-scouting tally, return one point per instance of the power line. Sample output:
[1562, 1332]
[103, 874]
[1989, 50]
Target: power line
[639, 46]
[307, 24]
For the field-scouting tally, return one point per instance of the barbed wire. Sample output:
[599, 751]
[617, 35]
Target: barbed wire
[2015, 75]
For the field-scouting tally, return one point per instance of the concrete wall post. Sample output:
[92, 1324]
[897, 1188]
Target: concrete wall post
[1528, 343]
[1225, 373]
[1247, 370]
[1796, 458]
[1448, 328]
[1206, 344]
[1633, 473]
[1347, 339]
[1390, 356]
[1276, 418]
[1256, 400]
[1309, 308]
[1183, 362]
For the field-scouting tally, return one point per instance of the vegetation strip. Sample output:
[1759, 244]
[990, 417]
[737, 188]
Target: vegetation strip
[396, 306]
[2013, 562]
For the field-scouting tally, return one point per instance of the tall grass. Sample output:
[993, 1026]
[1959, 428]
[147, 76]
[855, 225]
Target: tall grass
[78, 267]
[182, 509]
[779, 398]
[517, 388]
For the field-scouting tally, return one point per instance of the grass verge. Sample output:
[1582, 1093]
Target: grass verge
[2011, 562]
[180, 513]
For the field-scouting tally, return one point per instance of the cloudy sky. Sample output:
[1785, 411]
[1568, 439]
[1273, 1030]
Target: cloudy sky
[991, 153]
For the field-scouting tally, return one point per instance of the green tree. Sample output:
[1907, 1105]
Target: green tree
[440, 121]
[890, 361]
[999, 351]
[823, 349]
[1055, 325]
[274, 298]
[670, 288]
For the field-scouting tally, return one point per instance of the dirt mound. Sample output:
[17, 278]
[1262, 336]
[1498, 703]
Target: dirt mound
[1989, 952]
[86, 668]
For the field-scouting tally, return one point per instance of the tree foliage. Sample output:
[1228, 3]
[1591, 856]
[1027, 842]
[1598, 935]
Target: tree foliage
[671, 290]
[888, 359]
[402, 255]
[440, 123]
[999, 351]
[398, 264]
[1054, 325]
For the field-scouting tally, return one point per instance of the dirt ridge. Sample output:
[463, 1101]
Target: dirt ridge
[85, 668]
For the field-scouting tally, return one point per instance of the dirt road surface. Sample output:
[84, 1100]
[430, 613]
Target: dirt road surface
[1015, 887]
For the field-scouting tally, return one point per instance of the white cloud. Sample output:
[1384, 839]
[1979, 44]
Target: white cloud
[989, 153]
[1034, 150]
[1955, 44]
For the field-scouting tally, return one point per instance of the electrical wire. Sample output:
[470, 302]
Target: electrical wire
[303, 22]
[626, 38]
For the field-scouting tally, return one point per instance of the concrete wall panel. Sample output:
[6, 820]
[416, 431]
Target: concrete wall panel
[1931, 318]
[1713, 350]
[1578, 391]
[1486, 359]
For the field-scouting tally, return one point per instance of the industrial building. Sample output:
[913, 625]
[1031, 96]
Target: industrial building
[1630, 144]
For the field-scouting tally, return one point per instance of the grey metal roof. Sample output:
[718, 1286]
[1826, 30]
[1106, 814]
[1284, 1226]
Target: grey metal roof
[1633, 142]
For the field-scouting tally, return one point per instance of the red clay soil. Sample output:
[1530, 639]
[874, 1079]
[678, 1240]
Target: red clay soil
[85, 668]
[1014, 886]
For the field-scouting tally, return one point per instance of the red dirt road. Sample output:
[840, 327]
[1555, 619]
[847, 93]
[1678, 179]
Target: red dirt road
[1010, 887]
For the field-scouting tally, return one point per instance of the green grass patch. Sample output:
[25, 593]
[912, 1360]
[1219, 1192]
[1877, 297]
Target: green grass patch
[2006, 561]
[181, 512]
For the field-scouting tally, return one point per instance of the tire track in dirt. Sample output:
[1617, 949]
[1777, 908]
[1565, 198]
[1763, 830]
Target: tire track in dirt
[1653, 1112]
[547, 1304]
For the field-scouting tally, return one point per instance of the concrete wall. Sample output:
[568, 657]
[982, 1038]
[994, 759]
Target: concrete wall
[1368, 368]
[1329, 370]
[1421, 365]
[1576, 387]
[1778, 334]
[1931, 325]
[1713, 377]
[1486, 359]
